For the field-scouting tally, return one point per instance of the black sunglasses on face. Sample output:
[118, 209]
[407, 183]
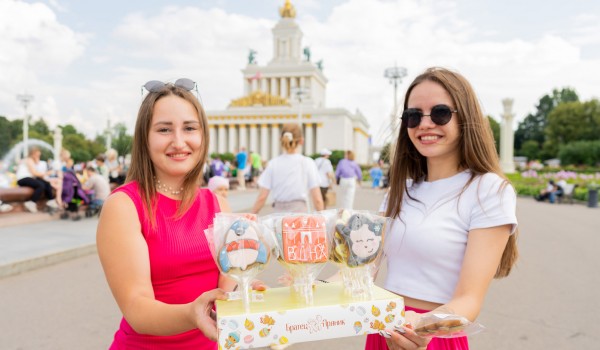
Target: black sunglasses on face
[440, 115]
[184, 83]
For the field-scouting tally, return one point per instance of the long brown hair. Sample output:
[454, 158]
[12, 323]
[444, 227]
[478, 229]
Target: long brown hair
[142, 169]
[477, 151]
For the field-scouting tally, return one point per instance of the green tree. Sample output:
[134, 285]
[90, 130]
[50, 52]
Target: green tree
[570, 122]
[121, 140]
[39, 130]
[386, 152]
[533, 126]
[530, 149]
[495, 131]
[5, 136]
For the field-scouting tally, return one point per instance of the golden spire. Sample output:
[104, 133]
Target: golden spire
[288, 10]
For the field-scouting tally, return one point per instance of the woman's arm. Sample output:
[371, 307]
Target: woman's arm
[31, 167]
[223, 204]
[317, 198]
[260, 200]
[482, 258]
[124, 256]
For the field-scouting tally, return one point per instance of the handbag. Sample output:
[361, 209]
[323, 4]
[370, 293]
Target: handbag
[331, 198]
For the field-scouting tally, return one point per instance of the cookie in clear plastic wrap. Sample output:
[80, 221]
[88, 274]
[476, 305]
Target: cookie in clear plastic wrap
[358, 240]
[242, 247]
[304, 239]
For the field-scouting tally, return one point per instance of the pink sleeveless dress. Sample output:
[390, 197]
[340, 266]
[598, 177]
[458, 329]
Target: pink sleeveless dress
[181, 265]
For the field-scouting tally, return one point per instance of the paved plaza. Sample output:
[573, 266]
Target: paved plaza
[53, 294]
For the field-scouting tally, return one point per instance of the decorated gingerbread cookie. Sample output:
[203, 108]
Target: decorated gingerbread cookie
[304, 239]
[358, 241]
[242, 247]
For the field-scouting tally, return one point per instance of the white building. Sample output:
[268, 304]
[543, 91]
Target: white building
[289, 89]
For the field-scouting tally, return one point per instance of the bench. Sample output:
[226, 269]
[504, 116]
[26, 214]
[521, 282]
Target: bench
[567, 195]
[16, 196]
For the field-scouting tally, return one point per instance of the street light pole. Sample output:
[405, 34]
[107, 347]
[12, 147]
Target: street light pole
[395, 75]
[300, 92]
[25, 100]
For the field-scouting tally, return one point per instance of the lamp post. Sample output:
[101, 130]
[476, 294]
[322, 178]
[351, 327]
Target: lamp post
[300, 92]
[25, 100]
[108, 133]
[395, 75]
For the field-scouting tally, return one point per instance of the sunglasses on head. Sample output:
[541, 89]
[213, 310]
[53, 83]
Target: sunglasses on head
[183, 83]
[440, 115]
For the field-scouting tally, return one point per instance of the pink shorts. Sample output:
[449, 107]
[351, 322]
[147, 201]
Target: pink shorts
[377, 342]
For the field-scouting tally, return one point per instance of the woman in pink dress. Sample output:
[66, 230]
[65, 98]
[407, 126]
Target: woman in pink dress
[150, 236]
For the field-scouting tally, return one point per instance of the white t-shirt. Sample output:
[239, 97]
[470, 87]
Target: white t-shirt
[289, 177]
[324, 167]
[425, 249]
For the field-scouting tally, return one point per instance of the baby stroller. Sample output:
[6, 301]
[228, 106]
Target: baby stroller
[73, 195]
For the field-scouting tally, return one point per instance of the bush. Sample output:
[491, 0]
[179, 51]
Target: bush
[580, 152]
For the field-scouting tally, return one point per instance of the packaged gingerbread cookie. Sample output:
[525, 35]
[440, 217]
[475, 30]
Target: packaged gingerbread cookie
[446, 325]
[241, 247]
[357, 242]
[303, 248]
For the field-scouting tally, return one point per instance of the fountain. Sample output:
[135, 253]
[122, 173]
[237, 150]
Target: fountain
[14, 155]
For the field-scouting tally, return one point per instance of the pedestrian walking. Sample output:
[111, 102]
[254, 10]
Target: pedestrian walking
[291, 178]
[349, 174]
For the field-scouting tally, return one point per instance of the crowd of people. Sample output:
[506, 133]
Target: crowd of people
[61, 185]
[446, 196]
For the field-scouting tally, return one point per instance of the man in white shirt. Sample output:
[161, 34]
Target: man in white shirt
[325, 173]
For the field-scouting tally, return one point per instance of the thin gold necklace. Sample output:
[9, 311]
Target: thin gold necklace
[162, 187]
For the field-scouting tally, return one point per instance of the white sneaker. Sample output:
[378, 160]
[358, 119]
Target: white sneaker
[4, 208]
[30, 206]
[52, 204]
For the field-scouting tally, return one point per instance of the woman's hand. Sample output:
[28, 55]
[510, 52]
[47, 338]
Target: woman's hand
[204, 316]
[258, 285]
[404, 337]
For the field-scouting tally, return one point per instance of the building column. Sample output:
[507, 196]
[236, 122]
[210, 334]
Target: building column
[247, 87]
[264, 141]
[319, 137]
[284, 88]
[254, 84]
[243, 137]
[308, 139]
[253, 138]
[263, 85]
[222, 138]
[507, 138]
[212, 134]
[274, 87]
[233, 145]
[275, 144]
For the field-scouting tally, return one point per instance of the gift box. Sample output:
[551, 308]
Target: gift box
[281, 317]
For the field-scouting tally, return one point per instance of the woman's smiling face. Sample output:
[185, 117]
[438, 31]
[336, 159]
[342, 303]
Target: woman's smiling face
[431, 140]
[175, 138]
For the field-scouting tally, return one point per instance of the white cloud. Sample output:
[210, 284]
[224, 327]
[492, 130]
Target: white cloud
[357, 41]
[33, 44]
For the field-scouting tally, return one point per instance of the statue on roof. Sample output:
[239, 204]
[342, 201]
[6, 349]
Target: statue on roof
[320, 65]
[307, 53]
[287, 10]
[252, 57]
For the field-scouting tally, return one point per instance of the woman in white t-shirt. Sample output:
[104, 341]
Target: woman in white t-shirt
[454, 222]
[290, 178]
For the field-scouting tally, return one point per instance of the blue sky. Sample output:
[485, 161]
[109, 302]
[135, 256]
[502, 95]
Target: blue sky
[84, 61]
